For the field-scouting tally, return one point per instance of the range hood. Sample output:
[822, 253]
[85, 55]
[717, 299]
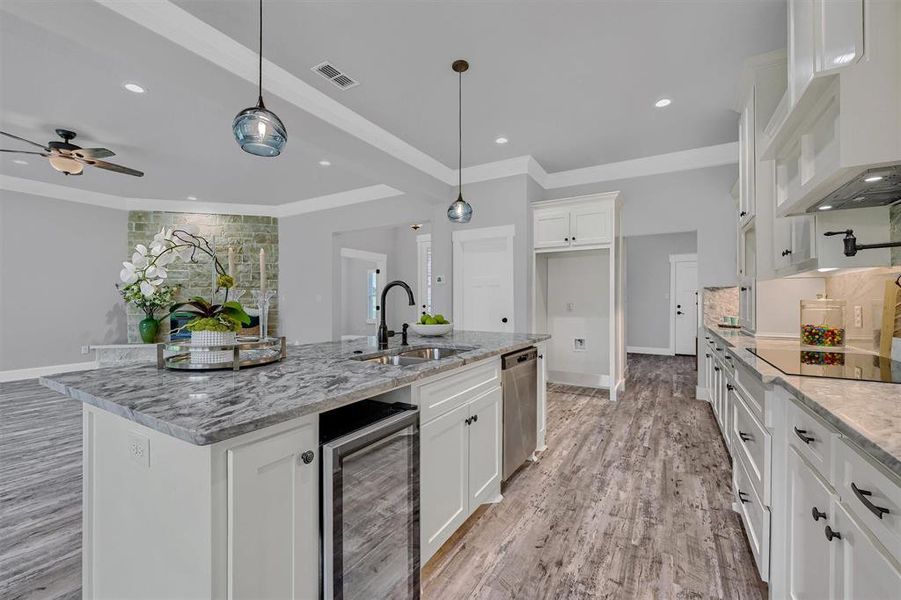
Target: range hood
[878, 186]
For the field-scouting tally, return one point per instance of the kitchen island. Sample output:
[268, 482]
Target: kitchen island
[206, 484]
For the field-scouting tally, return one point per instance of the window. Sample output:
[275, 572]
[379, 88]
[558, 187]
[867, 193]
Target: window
[424, 243]
[372, 295]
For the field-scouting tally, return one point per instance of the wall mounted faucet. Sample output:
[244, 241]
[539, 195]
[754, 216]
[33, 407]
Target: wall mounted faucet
[851, 245]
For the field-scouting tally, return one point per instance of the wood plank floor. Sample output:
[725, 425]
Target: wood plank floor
[631, 500]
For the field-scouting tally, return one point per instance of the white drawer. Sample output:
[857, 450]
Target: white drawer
[867, 492]
[455, 388]
[755, 516]
[813, 438]
[752, 443]
[754, 392]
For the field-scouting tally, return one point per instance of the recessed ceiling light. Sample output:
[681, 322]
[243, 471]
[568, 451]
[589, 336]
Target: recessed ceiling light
[501, 140]
[192, 197]
[825, 207]
[133, 87]
[19, 161]
[873, 178]
[325, 163]
[827, 269]
[663, 102]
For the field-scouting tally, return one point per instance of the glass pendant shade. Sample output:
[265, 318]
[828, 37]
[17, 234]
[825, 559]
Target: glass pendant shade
[66, 165]
[460, 211]
[259, 131]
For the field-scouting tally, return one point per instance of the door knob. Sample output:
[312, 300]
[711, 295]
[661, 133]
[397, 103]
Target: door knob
[504, 320]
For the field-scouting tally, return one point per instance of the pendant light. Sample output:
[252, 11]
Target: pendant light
[258, 130]
[460, 211]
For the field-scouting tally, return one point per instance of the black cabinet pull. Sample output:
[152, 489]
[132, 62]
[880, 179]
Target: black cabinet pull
[862, 496]
[830, 535]
[801, 433]
[475, 418]
[745, 437]
[743, 288]
[741, 497]
[817, 515]
[707, 354]
[728, 357]
[730, 387]
[679, 312]
[574, 238]
[742, 213]
[307, 457]
[565, 239]
[541, 356]
[716, 369]
[468, 421]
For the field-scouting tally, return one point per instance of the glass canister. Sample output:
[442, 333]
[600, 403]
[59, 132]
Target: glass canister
[823, 322]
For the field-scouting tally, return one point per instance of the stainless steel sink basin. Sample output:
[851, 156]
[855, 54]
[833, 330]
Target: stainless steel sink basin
[397, 360]
[433, 353]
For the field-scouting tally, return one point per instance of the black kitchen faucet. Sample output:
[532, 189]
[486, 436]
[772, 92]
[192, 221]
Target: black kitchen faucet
[384, 333]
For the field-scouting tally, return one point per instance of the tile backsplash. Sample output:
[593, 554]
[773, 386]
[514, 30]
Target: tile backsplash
[864, 288]
[719, 302]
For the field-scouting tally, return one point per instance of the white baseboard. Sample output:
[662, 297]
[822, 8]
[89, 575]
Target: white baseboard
[700, 393]
[35, 372]
[648, 350]
[579, 379]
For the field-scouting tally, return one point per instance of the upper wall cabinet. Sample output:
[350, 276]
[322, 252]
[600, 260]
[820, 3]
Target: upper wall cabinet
[573, 223]
[841, 114]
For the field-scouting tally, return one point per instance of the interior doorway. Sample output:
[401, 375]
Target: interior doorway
[483, 279]
[684, 304]
[363, 275]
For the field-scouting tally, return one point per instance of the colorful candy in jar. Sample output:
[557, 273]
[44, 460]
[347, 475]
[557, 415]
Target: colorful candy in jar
[809, 357]
[822, 335]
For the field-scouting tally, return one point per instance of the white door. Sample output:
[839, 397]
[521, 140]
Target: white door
[808, 549]
[862, 569]
[685, 303]
[273, 513]
[551, 228]
[485, 423]
[542, 395]
[591, 224]
[483, 279]
[444, 478]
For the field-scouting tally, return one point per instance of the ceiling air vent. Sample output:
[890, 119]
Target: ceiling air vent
[333, 74]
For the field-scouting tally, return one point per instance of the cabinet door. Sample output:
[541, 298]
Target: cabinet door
[862, 568]
[747, 160]
[444, 478]
[782, 242]
[808, 550]
[800, 46]
[840, 33]
[551, 228]
[803, 242]
[485, 450]
[591, 224]
[273, 517]
[542, 396]
[746, 307]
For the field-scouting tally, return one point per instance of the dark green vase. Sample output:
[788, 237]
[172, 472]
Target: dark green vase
[149, 327]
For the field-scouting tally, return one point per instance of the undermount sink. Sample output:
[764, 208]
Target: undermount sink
[413, 356]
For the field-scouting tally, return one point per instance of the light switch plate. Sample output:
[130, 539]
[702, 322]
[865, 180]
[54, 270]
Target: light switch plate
[579, 345]
[139, 449]
[858, 316]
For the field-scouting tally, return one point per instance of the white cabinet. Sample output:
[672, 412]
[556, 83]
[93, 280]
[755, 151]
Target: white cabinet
[551, 228]
[839, 34]
[591, 224]
[800, 46]
[585, 221]
[808, 505]
[861, 568]
[794, 244]
[747, 157]
[542, 395]
[460, 449]
[273, 517]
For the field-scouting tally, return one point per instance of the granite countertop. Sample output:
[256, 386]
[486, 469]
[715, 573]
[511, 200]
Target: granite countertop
[867, 413]
[207, 407]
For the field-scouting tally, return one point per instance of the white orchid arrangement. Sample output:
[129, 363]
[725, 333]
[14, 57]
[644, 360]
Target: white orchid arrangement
[147, 272]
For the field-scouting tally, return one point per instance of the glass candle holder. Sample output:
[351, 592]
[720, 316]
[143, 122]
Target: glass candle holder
[262, 301]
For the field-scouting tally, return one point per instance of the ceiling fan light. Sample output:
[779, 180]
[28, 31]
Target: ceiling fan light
[459, 211]
[66, 165]
[259, 131]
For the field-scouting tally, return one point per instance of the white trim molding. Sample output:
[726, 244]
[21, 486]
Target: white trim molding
[35, 372]
[648, 350]
[483, 233]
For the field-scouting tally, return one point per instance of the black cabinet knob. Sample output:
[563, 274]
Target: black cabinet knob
[504, 320]
[574, 238]
[831, 535]
[716, 368]
[468, 421]
[679, 312]
[730, 387]
[307, 457]
[565, 239]
[475, 418]
[817, 515]
[707, 354]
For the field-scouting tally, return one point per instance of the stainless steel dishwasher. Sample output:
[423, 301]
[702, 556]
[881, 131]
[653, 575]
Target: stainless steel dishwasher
[520, 381]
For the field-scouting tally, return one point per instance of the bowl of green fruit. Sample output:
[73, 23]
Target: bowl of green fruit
[430, 325]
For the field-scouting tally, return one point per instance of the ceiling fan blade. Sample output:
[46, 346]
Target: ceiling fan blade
[93, 153]
[23, 152]
[21, 139]
[102, 164]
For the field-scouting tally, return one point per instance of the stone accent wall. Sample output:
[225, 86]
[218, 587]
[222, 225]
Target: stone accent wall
[247, 234]
[895, 217]
[719, 302]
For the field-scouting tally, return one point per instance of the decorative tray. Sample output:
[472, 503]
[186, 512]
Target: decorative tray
[725, 326]
[248, 352]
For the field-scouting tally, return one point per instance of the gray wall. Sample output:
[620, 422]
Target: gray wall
[59, 262]
[696, 200]
[648, 285]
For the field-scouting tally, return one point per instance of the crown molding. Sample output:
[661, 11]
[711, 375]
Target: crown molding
[184, 29]
[70, 194]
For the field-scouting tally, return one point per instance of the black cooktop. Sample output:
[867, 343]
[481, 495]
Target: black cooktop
[832, 363]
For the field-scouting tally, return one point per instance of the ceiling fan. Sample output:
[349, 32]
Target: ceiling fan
[70, 159]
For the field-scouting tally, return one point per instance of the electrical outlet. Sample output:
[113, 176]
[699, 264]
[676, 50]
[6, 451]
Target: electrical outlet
[858, 316]
[570, 307]
[139, 449]
[579, 345]
[85, 349]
